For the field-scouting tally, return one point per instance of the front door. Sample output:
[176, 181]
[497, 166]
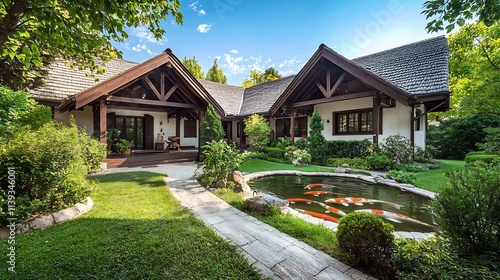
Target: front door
[132, 129]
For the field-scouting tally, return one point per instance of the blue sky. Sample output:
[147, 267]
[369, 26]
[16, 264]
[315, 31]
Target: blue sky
[245, 35]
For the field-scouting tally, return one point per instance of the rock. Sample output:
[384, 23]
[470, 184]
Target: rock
[42, 222]
[66, 214]
[242, 188]
[274, 201]
[256, 204]
[296, 163]
[345, 165]
[222, 183]
[339, 170]
[238, 177]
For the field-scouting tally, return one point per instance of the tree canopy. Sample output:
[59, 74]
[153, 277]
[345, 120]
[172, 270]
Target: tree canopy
[457, 12]
[215, 74]
[258, 77]
[193, 66]
[78, 31]
[475, 69]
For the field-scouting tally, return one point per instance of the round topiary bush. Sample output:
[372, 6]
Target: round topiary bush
[368, 242]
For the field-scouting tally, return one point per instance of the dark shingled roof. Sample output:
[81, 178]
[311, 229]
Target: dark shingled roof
[418, 68]
[63, 81]
[260, 98]
[229, 97]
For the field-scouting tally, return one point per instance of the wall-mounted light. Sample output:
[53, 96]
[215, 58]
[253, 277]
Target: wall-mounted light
[327, 121]
[161, 122]
[143, 94]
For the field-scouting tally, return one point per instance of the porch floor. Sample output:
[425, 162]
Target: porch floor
[150, 158]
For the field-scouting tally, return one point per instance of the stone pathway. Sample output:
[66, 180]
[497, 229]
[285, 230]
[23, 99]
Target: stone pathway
[275, 254]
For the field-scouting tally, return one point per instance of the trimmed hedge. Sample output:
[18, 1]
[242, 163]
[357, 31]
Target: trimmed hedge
[358, 163]
[481, 157]
[276, 153]
[349, 148]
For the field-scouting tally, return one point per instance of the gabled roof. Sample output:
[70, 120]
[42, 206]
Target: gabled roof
[62, 81]
[260, 98]
[229, 97]
[418, 68]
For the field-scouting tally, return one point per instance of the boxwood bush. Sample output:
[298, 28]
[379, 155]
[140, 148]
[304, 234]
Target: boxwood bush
[357, 163]
[276, 153]
[349, 148]
[50, 168]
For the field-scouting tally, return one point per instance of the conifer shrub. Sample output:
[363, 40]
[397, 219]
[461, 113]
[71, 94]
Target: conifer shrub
[211, 128]
[258, 130]
[368, 242]
[316, 142]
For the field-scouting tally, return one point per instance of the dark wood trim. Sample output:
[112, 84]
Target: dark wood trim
[412, 129]
[337, 83]
[151, 102]
[178, 125]
[170, 92]
[375, 116]
[346, 112]
[334, 98]
[162, 86]
[152, 87]
[292, 128]
[103, 137]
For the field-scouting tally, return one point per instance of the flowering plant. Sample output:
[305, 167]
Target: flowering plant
[297, 156]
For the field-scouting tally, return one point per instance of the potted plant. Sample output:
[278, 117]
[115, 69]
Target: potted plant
[125, 147]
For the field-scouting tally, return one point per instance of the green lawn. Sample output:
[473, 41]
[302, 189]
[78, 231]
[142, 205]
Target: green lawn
[257, 165]
[435, 180]
[136, 230]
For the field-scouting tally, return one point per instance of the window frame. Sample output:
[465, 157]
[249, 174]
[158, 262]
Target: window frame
[191, 131]
[346, 114]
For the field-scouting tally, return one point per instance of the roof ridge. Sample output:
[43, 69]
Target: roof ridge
[399, 47]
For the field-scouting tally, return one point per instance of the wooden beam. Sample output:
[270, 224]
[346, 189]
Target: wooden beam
[151, 102]
[375, 117]
[334, 98]
[323, 90]
[103, 137]
[337, 84]
[153, 88]
[292, 128]
[162, 86]
[170, 92]
[328, 88]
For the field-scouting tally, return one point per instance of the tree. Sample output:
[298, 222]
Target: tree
[193, 66]
[258, 129]
[211, 128]
[475, 69]
[215, 74]
[457, 12]
[80, 32]
[316, 142]
[257, 77]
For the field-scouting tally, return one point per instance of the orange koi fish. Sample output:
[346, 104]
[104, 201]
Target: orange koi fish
[391, 216]
[303, 200]
[359, 201]
[319, 215]
[330, 209]
[310, 186]
[318, 193]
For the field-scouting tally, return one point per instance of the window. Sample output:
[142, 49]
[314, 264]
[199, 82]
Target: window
[353, 122]
[283, 127]
[190, 129]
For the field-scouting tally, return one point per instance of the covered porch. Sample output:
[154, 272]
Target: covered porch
[152, 158]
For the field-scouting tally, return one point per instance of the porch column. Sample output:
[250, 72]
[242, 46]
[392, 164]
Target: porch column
[201, 115]
[178, 125]
[412, 130]
[102, 121]
[375, 116]
[292, 128]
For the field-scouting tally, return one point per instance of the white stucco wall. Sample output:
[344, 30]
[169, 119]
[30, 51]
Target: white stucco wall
[83, 118]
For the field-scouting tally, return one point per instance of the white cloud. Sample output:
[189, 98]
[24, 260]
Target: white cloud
[234, 51]
[204, 28]
[194, 5]
[139, 48]
[202, 13]
[289, 63]
[232, 63]
[143, 34]
[150, 52]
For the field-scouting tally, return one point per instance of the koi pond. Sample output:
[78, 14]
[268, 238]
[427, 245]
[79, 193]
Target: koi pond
[405, 210]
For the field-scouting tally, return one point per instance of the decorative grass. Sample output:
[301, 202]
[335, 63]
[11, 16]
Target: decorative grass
[136, 230]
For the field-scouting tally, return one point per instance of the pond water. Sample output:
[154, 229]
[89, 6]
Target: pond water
[412, 205]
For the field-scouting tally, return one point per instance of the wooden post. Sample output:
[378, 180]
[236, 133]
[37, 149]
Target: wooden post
[292, 128]
[178, 125]
[102, 122]
[412, 130]
[201, 114]
[375, 117]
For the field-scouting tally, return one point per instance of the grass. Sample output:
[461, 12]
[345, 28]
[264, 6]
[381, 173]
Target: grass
[136, 230]
[257, 165]
[435, 180]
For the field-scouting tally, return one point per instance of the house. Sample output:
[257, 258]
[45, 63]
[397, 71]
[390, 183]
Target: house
[374, 96]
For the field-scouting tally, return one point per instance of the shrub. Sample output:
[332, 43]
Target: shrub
[220, 159]
[301, 144]
[211, 128]
[492, 141]
[93, 151]
[484, 158]
[398, 148]
[426, 155]
[412, 167]
[380, 162]
[434, 259]
[357, 163]
[255, 155]
[367, 240]
[455, 137]
[257, 129]
[468, 211]
[316, 141]
[276, 153]
[349, 148]
[402, 176]
[297, 156]
[50, 169]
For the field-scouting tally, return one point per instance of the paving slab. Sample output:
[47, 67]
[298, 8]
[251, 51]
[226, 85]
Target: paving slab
[275, 254]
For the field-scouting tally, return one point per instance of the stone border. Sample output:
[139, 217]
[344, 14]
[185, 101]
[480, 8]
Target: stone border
[50, 219]
[369, 179]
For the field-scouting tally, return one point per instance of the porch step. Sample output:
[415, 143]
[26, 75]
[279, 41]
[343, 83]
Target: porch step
[138, 160]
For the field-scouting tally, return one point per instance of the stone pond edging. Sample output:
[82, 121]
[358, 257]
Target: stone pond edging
[375, 179]
[50, 219]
